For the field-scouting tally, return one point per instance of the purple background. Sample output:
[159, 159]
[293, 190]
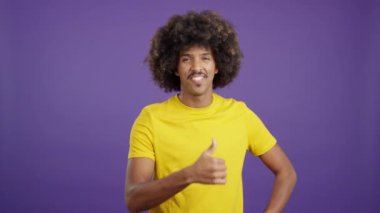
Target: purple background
[73, 81]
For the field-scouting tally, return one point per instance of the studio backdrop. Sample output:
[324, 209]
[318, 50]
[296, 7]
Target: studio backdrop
[73, 80]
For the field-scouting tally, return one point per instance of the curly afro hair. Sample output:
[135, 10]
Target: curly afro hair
[207, 29]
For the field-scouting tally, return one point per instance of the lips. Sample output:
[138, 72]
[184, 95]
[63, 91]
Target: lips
[197, 77]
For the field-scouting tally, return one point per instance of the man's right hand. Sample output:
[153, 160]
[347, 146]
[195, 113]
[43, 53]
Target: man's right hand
[208, 169]
[143, 193]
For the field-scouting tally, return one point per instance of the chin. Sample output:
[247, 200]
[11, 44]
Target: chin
[198, 90]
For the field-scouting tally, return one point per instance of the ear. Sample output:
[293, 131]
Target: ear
[216, 71]
[176, 73]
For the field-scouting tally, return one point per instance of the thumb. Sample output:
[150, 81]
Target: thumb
[212, 148]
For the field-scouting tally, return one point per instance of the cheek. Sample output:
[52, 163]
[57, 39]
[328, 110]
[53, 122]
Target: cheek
[182, 74]
[212, 67]
[179, 71]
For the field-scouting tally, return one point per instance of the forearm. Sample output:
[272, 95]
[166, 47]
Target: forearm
[282, 189]
[144, 196]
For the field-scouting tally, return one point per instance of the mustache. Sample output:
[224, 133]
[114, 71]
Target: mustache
[197, 73]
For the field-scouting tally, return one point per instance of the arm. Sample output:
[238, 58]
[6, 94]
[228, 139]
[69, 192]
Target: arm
[142, 192]
[285, 178]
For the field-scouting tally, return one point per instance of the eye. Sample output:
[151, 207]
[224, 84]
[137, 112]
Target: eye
[185, 59]
[206, 58]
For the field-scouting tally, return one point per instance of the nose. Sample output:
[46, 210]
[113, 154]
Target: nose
[196, 65]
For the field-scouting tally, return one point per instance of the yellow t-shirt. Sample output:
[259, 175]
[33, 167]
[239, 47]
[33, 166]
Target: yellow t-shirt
[174, 136]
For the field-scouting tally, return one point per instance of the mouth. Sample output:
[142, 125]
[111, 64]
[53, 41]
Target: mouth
[197, 76]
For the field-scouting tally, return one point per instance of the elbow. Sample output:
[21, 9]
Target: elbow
[295, 176]
[131, 205]
[289, 175]
[131, 208]
[292, 176]
[130, 202]
[135, 200]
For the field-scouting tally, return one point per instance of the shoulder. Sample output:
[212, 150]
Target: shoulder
[231, 103]
[157, 108]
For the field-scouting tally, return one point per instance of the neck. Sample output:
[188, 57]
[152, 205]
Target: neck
[196, 101]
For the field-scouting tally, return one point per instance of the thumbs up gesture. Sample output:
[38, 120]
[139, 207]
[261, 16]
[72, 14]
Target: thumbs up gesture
[208, 169]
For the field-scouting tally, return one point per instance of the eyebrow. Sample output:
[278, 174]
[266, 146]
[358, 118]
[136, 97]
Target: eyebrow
[188, 54]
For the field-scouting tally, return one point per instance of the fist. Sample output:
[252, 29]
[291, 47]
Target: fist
[208, 169]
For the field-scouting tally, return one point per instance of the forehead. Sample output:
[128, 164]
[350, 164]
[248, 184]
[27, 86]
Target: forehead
[195, 49]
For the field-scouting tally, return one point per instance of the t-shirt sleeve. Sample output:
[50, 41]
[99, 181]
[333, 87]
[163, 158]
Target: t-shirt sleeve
[260, 140]
[141, 137]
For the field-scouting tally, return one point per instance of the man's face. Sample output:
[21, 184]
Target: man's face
[196, 70]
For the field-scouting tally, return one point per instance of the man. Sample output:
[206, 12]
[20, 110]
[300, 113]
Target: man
[187, 153]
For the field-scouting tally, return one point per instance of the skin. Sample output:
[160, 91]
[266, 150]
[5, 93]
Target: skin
[285, 178]
[196, 70]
